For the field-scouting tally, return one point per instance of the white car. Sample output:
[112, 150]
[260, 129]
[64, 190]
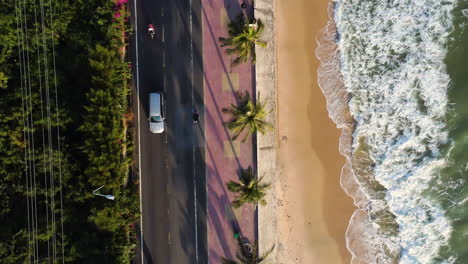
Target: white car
[156, 116]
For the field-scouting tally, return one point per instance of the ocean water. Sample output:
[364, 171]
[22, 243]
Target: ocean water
[395, 75]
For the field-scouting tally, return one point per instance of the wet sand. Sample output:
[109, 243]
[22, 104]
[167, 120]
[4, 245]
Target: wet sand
[314, 210]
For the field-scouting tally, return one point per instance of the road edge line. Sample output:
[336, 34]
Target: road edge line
[193, 134]
[139, 133]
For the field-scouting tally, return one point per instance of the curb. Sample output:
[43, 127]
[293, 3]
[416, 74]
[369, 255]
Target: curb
[265, 75]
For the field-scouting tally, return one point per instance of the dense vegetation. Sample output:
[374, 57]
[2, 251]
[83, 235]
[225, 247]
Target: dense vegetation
[63, 133]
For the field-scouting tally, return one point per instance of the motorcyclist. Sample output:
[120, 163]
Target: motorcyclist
[151, 30]
[195, 117]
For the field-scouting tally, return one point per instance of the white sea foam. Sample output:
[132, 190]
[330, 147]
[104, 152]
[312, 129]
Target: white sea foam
[465, 12]
[391, 56]
[362, 237]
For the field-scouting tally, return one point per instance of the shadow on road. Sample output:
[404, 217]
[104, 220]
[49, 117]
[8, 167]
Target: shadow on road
[147, 256]
[220, 201]
[218, 53]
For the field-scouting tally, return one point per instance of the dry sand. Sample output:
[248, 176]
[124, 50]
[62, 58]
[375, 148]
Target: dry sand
[314, 210]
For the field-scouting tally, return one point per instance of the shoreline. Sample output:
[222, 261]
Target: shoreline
[313, 209]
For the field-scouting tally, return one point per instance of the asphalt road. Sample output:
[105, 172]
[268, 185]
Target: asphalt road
[171, 165]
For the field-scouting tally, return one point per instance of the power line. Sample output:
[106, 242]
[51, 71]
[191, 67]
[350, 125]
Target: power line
[27, 105]
[49, 127]
[30, 129]
[24, 122]
[28, 151]
[43, 130]
[58, 131]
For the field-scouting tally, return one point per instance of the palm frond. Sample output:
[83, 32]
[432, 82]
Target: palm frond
[267, 253]
[249, 255]
[249, 189]
[234, 186]
[247, 116]
[247, 175]
[242, 39]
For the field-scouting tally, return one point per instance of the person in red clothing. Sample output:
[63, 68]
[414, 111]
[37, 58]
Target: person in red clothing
[151, 31]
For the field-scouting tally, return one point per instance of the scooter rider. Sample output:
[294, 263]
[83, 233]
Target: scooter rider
[151, 30]
[195, 117]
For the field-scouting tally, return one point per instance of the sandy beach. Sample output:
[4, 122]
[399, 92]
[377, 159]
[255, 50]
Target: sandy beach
[314, 211]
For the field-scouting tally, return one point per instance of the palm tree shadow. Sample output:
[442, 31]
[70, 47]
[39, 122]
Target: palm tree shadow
[185, 242]
[218, 53]
[234, 9]
[234, 223]
[219, 114]
[220, 201]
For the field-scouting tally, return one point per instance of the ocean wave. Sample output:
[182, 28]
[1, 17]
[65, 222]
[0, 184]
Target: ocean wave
[364, 239]
[391, 58]
[383, 74]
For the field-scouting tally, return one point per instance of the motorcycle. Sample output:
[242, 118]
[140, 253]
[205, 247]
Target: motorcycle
[195, 117]
[151, 31]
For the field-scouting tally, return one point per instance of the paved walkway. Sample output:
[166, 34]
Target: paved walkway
[224, 157]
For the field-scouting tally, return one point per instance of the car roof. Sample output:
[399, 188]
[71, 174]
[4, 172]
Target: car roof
[155, 104]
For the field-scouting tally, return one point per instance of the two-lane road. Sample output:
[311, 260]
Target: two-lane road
[171, 165]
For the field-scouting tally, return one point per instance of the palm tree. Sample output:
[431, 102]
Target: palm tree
[247, 254]
[242, 39]
[249, 189]
[247, 115]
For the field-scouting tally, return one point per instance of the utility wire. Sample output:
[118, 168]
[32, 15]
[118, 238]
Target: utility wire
[58, 131]
[49, 127]
[18, 16]
[43, 130]
[31, 135]
[27, 134]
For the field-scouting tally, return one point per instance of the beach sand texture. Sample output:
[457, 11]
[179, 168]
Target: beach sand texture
[314, 210]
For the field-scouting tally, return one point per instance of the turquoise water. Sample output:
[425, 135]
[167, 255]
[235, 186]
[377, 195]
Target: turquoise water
[405, 67]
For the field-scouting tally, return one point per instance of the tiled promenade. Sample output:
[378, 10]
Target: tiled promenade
[224, 157]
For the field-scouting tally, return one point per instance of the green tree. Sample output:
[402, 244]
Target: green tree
[242, 39]
[248, 254]
[87, 76]
[102, 126]
[3, 80]
[249, 189]
[247, 115]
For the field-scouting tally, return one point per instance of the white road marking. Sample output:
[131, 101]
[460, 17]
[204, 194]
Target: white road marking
[162, 11]
[193, 133]
[139, 134]
[163, 35]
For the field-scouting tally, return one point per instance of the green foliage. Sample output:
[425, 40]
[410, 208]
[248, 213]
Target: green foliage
[249, 189]
[248, 254]
[8, 40]
[118, 217]
[91, 76]
[247, 115]
[242, 39]
[3, 80]
[15, 250]
[102, 122]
